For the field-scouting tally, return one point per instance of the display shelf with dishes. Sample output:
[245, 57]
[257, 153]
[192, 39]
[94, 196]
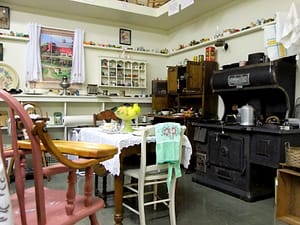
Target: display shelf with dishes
[122, 73]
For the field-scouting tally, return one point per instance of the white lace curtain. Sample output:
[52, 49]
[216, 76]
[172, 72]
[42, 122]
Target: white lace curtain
[78, 63]
[33, 56]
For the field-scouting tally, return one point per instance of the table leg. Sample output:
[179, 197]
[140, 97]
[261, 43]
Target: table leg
[119, 199]
[119, 181]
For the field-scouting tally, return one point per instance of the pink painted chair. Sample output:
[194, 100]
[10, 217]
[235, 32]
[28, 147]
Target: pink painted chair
[38, 204]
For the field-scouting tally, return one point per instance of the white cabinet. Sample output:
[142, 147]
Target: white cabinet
[122, 73]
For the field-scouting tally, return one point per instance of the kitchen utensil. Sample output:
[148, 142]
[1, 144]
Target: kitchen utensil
[255, 58]
[247, 115]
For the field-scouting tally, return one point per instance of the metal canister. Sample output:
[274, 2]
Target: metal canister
[200, 58]
[210, 54]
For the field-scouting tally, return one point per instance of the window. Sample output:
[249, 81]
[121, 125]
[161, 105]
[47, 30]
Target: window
[56, 53]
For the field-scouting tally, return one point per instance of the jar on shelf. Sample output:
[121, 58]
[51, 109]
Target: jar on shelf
[210, 54]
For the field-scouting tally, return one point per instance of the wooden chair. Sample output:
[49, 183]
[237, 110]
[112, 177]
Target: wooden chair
[157, 174]
[38, 204]
[99, 170]
[34, 112]
[107, 115]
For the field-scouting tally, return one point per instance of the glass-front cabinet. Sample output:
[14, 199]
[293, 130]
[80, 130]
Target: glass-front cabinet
[127, 73]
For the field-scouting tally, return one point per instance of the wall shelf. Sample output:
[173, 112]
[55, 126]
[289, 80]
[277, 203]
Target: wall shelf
[228, 37]
[14, 38]
[121, 50]
[180, 51]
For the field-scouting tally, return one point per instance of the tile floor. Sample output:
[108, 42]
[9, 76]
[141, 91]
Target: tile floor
[197, 205]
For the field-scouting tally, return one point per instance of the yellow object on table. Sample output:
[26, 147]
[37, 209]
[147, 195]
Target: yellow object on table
[127, 113]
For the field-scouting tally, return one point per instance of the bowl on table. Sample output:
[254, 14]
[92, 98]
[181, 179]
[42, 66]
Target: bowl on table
[165, 113]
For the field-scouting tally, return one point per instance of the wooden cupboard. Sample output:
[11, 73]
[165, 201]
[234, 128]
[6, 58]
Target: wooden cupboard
[159, 95]
[189, 87]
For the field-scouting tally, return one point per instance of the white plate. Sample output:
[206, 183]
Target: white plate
[36, 91]
[137, 133]
[8, 77]
[141, 128]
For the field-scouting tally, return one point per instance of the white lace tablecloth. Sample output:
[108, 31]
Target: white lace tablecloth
[97, 135]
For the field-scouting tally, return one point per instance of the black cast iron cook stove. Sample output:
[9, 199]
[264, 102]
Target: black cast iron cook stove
[242, 160]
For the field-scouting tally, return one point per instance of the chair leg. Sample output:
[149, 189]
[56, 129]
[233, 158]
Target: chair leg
[155, 196]
[172, 202]
[10, 167]
[93, 219]
[104, 188]
[97, 192]
[141, 204]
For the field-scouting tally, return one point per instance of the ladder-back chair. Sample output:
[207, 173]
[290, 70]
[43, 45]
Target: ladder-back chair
[37, 204]
[169, 137]
[100, 171]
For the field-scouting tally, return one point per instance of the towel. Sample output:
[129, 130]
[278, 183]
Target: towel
[168, 147]
[290, 35]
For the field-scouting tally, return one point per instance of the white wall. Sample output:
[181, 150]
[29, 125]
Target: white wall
[238, 14]
[14, 51]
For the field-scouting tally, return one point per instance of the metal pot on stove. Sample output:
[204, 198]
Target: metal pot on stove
[246, 114]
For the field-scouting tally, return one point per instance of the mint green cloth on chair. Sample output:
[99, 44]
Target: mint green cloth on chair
[168, 147]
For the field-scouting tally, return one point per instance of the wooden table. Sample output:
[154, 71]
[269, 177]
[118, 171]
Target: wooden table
[128, 144]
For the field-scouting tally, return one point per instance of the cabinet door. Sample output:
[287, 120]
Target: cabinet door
[172, 79]
[209, 100]
[104, 77]
[142, 75]
[112, 74]
[194, 79]
[120, 75]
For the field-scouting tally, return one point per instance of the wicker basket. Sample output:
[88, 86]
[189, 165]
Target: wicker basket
[292, 155]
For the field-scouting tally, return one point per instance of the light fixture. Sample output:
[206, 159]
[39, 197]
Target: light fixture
[221, 43]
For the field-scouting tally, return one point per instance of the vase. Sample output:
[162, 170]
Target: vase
[65, 84]
[127, 126]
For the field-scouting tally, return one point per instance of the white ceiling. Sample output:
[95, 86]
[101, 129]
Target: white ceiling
[117, 12]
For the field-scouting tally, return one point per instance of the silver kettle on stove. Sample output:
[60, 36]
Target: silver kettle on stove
[246, 115]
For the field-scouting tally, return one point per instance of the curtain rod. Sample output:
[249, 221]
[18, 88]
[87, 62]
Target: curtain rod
[57, 28]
